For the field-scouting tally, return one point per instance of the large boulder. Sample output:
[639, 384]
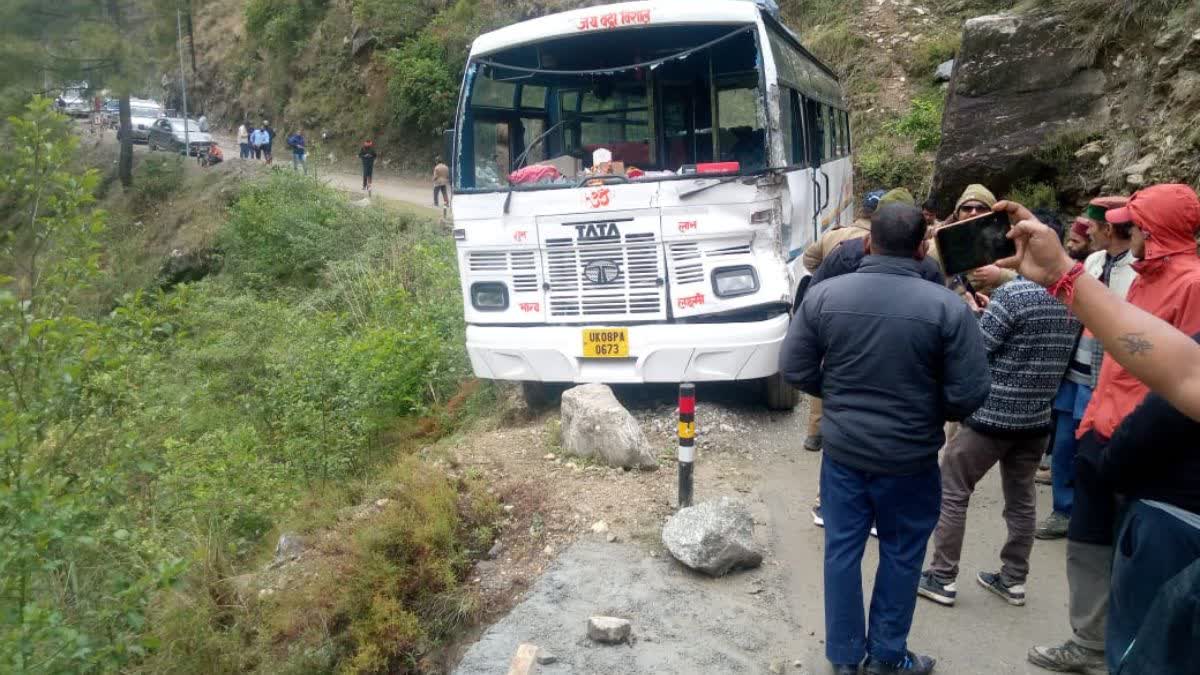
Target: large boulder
[1018, 85]
[714, 537]
[596, 426]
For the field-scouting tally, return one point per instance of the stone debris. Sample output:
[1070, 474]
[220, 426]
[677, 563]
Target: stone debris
[600, 527]
[609, 630]
[596, 426]
[545, 658]
[714, 537]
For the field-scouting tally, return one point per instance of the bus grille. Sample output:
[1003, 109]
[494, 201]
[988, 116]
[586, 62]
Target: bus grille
[619, 277]
[519, 266]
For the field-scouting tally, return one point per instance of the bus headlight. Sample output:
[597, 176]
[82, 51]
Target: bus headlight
[731, 282]
[489, 296]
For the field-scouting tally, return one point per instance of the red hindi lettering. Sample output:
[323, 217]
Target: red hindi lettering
[609, 20]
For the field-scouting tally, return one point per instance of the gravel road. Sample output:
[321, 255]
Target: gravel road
[763, 620]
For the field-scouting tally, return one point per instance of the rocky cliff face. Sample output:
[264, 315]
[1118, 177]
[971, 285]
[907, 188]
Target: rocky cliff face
[1029, 104]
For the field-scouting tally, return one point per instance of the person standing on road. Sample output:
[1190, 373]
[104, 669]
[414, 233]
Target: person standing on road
[243, 139]
[268, 141]
[367, 155]
[1165, 221]
[258, 139]
[893, 356]
[296, 143]
[815, 254]
[1112, 264]
[1029, 337]
[441, 181]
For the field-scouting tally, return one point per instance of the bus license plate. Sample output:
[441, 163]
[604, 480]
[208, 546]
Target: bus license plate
[605, 343]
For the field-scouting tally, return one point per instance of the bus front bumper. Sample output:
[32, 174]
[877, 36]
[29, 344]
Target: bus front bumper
[657, 353]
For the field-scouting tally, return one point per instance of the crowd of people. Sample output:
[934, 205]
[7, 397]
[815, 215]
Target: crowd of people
[919, 385]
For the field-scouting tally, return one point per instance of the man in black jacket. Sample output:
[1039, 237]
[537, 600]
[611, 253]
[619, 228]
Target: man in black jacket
[894, 357]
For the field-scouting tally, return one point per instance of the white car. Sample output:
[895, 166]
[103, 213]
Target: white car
[142, 116]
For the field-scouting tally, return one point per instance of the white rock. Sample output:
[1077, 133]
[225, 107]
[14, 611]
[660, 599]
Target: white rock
[600, 527]
[595, 425]
[1142, 166]
[714, 537]
[609, 629]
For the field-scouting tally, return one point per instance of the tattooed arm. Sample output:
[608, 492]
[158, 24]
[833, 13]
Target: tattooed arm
[1167, 360]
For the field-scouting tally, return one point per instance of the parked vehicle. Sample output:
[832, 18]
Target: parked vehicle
[167, 133]
[690, 152]
[142, 116]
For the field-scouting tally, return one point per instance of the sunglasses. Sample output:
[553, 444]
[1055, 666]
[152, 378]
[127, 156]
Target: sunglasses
[971, 208]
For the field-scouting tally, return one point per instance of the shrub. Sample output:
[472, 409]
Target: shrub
[931, 53]
[1034, 195]
[156, 179]
[280, 25]
[923, 122]
[421, 88]
[883, 162]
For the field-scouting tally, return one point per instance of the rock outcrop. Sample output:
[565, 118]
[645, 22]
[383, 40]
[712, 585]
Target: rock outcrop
[596, 426]
[1017, 86]
[714, 537]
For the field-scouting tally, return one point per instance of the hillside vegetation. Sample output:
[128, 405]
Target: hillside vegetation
[159, 436]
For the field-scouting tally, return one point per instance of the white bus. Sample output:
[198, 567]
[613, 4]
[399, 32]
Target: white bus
[634, 185]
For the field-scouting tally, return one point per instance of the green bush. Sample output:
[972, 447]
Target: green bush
[931, 52]
[421, 88]
[922, 124]
[281, 25]
[1034, 195]
[155, 180]
[393, 22]
[882, 162]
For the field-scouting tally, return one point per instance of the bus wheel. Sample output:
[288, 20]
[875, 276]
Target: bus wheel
[541, 395]
[779, 394]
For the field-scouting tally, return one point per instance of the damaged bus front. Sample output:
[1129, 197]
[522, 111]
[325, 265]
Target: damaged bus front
[634, 185]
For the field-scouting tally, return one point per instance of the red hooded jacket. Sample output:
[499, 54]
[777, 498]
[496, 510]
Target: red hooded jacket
[1168, 286]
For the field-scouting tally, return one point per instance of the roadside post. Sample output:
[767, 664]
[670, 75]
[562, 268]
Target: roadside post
[687, 442]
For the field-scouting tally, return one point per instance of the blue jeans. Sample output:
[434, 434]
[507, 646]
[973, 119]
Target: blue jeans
[1069, 406]
[1153, 547]
[905, 510]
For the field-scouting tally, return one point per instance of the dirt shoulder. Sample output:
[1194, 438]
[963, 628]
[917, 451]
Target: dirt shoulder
[554, 571]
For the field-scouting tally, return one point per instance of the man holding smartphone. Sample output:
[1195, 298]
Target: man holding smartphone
[893, 356]
[1029, 336]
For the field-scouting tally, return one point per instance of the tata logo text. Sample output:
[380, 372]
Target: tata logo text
[597, 231]
[602, 272]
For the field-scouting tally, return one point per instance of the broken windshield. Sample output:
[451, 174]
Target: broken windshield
[644, 103]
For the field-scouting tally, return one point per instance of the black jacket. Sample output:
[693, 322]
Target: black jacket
[848, 255]
[1155, 454]
[894, 357]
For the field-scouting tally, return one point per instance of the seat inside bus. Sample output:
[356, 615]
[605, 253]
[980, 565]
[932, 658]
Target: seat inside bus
[648, 95]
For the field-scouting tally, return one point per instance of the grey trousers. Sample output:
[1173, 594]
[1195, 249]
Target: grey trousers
[1089, 571]
[966, 459]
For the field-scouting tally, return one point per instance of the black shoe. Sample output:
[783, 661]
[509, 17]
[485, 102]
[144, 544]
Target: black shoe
[913, 664]
[942, 594]
[813, 443]
[845, 670]
[818, 519]
[1013, 595]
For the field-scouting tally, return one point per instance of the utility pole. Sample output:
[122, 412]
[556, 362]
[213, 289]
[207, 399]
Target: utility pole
[187, 138]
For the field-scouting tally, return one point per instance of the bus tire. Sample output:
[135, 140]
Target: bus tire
[541, 395]
[779, 394]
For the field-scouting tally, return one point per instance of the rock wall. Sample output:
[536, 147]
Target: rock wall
[1018, 84]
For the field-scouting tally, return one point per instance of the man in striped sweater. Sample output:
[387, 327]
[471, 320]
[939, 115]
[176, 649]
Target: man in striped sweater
[1030, 337]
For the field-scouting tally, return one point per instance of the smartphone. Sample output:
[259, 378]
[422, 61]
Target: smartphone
[975, 242]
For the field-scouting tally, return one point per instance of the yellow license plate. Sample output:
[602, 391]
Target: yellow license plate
[605, 343]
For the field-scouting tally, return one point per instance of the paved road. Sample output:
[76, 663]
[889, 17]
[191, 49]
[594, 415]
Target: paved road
[694, 625]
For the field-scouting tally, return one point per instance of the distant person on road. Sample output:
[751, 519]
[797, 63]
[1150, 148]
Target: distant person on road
[299, 151]
[269, 143]
[1029, 336]
[441, 181]
[1112, 264]
[243, 139]
[367, 155]
[258, 139]
[893, 356]
[203, 123]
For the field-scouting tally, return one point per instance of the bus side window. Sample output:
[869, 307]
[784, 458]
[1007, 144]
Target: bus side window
[830, 132]
[799, 147]
[815, 123]
[846, 121]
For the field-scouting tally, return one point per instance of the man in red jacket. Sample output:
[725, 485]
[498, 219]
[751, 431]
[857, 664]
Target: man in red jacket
[1166, 219]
